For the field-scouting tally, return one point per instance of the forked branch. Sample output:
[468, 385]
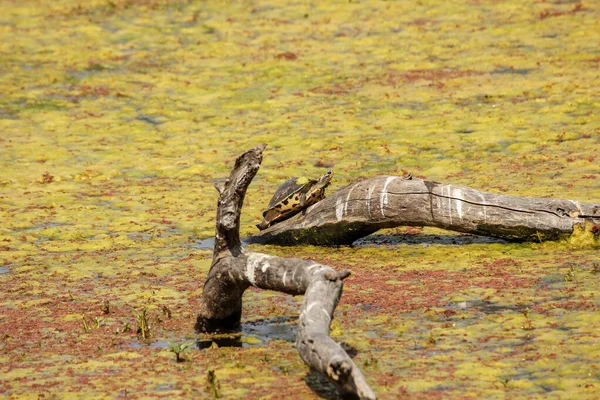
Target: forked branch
[234, 269]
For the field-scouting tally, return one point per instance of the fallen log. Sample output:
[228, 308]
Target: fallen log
[382, 202]
[234, 269]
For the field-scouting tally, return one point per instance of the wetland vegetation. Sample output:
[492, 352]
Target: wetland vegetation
[117, 118]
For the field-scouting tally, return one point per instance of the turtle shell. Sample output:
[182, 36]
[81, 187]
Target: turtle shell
[292, 197]
[288, 189]
[286, 201]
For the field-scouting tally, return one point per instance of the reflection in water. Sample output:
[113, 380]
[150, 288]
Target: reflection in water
[206, 244]
[376, 240]
[253, 333]
[321, 385]
[512, 70]
[159, 344]
[486, 307]
[209, 243]
[220, 341]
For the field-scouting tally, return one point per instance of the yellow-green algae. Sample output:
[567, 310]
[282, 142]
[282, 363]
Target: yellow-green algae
[117, 117]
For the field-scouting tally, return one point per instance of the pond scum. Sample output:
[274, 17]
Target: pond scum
[116, 118]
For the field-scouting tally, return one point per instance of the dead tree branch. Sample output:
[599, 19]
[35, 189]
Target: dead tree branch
[390, 201]
[234, 269]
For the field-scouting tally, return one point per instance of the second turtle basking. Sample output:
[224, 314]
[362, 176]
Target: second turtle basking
[294, 196]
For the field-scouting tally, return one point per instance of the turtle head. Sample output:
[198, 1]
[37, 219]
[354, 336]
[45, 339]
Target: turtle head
[325, 179]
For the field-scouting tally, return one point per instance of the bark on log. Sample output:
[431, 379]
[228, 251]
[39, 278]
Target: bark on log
[234, 269]
[390, 201]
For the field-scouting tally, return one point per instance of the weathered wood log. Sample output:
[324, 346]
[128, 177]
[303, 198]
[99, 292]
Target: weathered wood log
[234, 269]
[362, 208]
[316, 348]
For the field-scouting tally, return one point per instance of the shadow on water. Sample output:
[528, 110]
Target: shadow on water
[423, 239]
[205, 244]
[321, 385]
[376, 240]
[222, 340]
[253, 333]
[159, 344]
[512, 70]
[209, 243]
[324, 388]
[486, 307]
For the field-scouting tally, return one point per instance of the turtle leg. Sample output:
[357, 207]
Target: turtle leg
[305, 204]
[302, 200]
[268, 217]
[263, 225]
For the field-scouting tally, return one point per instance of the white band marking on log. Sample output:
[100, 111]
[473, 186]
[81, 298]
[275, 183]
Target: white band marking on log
[459, 200]
[284, 278]
[348, 198]
[449, 197]
[311, 305]
[482, 197]
[326, 313]
[250, 272]
[265, 267]
[578, 205]
[313, 266]
[383, 196]
[339, 208]
[254, 260]
[369, 194]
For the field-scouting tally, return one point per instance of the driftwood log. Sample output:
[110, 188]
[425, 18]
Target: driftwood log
[234, 269]
[390, 201]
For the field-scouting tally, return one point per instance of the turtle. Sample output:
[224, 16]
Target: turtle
[293, 196]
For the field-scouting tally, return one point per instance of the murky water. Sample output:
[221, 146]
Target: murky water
[377, 240]
[205, 244]
[486, 307]
[251, 334]
[254, 333]
[209, 243]
[117, 118]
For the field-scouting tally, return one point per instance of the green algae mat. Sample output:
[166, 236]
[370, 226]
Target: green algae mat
[117, 117]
